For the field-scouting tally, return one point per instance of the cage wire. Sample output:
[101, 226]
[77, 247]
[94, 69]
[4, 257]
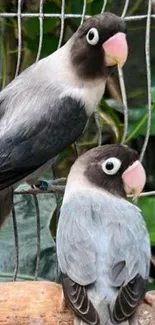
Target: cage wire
[41, 15]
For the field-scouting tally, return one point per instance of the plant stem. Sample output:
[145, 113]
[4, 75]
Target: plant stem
[138, 127]
[4, 64]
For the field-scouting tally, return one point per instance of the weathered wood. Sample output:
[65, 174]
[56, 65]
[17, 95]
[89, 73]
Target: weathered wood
[32, 303]
[39, 303]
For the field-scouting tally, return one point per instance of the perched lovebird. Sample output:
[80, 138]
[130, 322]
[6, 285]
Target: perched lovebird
[103, 245]
[47, 106]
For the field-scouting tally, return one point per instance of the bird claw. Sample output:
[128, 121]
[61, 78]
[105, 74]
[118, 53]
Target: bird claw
[47, 186]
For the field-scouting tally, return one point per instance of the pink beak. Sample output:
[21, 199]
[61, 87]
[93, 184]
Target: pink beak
[134, 178]
[116, 50]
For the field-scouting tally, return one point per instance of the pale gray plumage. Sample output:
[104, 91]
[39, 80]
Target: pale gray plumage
[102, 241]
[106, 220]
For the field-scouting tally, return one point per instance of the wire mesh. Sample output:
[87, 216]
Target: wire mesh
[41, 15]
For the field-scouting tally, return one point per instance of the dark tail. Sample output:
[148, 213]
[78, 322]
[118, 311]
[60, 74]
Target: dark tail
[128, 299]
[6, 203]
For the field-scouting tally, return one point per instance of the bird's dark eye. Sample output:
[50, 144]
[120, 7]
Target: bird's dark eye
[111, 165]
[92, 36]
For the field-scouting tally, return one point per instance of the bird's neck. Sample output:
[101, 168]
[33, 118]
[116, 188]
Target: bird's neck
[90, 91]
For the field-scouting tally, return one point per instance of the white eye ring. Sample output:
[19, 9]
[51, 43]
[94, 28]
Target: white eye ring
[92, 36]
[113, 169]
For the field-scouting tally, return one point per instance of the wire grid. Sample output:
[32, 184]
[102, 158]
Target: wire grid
[62, 16]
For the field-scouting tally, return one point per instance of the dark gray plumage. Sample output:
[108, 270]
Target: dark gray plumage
[47, 106]
[103, 245]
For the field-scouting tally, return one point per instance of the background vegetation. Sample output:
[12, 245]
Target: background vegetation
[111, 119]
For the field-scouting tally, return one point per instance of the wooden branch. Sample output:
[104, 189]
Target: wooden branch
[39, 303]
[32, 302]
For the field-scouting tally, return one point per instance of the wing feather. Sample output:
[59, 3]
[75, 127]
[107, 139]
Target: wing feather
[76, 252]
[128, 299]
[78, 300]
[26, 149]
[75, 244]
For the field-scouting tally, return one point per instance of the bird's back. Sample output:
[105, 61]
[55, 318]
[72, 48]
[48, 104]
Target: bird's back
[121, 239]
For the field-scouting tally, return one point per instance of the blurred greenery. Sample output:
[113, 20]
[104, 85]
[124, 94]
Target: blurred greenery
[147, 205]
[110, 115]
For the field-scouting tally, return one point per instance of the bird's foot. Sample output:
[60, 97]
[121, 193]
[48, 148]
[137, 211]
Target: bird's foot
[149, 298]
[49, 185]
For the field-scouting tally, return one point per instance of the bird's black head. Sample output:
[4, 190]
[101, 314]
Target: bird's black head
[99, 44]
[115, 168]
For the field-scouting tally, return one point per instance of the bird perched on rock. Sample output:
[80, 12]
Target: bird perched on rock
[47, 106]
[103, 246]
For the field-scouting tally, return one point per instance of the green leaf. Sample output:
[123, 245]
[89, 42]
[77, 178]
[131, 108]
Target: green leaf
[147, 205]
[138, 121]
[33, 30]
[105, 108]
[95, 6]
[151, 286]
[153, 94]
[31, 27]
[50, 44]
[76, 6]
[89, 1]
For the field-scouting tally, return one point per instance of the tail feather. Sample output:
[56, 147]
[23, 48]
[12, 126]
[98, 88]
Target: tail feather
[6, 204]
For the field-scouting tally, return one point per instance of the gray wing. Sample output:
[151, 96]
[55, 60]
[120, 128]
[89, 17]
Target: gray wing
[36, 124]
[77, 298]
[75, 244]
[77, 256]
[130, 260]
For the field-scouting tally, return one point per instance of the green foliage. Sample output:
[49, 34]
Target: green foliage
[147, 205]
[138, 120]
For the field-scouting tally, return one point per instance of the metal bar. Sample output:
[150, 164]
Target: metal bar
[62, 23]
[149, 193]
[19, 38]
[83, 11]
[66, 16]
[56, 194]
[16, 244]
[143, 194]
[104, 6]
[38, 236]
[126, 5]
[53, 189]
[41, 29]
[148, 70]
[122, 85]
[124, 98]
